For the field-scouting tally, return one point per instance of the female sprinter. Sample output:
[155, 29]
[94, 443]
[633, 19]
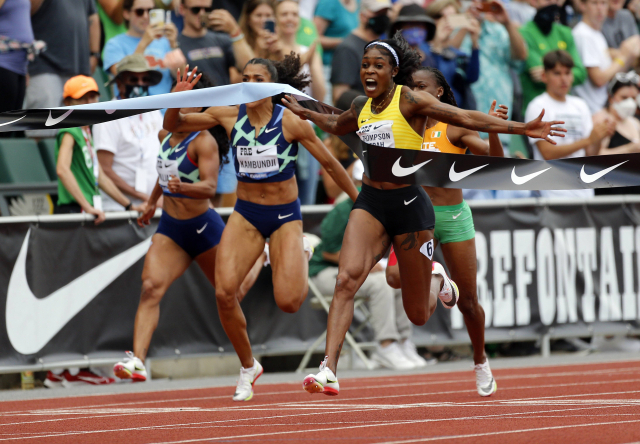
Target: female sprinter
[385, 212]
[187, 166]
[454, 223]
[264, 138]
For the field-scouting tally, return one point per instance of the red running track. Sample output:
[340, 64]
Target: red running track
[562, 404]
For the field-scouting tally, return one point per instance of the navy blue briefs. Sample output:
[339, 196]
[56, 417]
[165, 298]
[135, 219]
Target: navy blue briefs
[196, 235]
[268, 218]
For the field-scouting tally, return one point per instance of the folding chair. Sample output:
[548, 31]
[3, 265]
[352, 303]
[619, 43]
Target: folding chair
[323, 302]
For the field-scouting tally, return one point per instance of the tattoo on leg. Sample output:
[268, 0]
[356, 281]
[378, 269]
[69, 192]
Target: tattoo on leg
[385, 247]
[411, 241]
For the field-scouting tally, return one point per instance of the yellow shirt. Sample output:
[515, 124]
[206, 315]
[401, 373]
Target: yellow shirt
[388, 128]
[436, 138]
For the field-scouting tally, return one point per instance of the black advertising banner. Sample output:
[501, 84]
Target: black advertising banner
[71, 289]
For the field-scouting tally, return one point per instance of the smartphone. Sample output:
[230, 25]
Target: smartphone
[156, 17]
[457, 21]
[488, 7]
[270, 26]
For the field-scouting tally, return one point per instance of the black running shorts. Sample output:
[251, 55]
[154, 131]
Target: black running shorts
[400, 211]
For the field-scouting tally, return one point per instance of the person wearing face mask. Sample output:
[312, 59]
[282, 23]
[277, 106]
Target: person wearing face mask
[374, 21]
[624, 95]
[127, 148]
[543, 34]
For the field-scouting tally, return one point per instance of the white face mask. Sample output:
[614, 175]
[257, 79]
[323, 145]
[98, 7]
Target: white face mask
[625, 108]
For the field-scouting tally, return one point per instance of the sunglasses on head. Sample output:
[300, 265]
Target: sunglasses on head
[195, 10]
[140, 11]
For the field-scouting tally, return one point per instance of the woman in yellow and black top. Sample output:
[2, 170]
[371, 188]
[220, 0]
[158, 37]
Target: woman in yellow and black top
[454, 223]
[392, 116]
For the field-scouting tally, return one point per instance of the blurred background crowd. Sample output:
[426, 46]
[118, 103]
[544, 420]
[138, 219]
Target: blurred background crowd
[577, 59]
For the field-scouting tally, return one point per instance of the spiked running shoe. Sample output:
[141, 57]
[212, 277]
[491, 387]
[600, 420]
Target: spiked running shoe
[131, 368]
[449, 293]
[322, 382]
[84, 377]
[248, 377]
[484, 379]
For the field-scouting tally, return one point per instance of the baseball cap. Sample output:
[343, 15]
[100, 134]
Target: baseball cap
[78, 86]
[136, 63]
[375, 5]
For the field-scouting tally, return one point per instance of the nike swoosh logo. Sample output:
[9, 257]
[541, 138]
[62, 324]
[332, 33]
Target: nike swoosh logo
[267, 131]
[51, 121]
[32, 322]
[407, 203]
[284, 217]
[519, 180]
[13, 121]
[589, 178]
[376, 127]
[179, 149]
[455, 176]
[456, 216]
[260, 152]
[399, 171]
[365, 120]
[202, 229]
[167, 166]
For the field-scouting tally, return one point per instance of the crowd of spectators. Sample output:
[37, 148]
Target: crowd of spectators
[487, 50]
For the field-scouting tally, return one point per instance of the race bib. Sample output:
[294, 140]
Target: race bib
[258, 161]
[378, 133]
[166, 169]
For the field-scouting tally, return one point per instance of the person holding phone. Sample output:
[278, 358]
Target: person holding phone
[257, 22]
[153, 40]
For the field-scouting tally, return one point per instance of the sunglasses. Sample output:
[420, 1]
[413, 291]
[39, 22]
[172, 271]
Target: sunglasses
[195, 10]
[133, 79]
[624, 78]
[140, 11]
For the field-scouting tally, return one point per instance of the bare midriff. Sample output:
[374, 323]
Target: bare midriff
[183, 208]
[268, 193]
[444, 196]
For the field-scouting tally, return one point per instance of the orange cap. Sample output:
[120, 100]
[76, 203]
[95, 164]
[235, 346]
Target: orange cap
[78, 86]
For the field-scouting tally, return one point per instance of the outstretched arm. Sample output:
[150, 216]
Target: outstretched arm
[418, 102]
[480, 146]
[339, 125]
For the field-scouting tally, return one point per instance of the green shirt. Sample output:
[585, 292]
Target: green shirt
[110, 28]
[81, 167]
[307, 34]
[332, 228]
[539, 45]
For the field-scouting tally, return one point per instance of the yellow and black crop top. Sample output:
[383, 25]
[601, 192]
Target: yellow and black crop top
[436, 138]
[388, 128]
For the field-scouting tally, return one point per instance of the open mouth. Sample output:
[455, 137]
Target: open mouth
[370, 85]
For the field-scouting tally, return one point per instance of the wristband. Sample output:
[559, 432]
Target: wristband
[237, 38]
[128, 207]
[620, 62]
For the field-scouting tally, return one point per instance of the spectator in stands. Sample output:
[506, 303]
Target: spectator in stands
[71, 30]
[390, 323]
[263, 42]
[502, 49]
[335, 19]
[521, 11]
[110, 13]
[15, 27]
[154, 42]
[634, 7]
[543, 34]
[619, 25]
[417, 29]
[128, 147]
[623, 91]
[345, 71]
[220, 52]
[582, 137]
[80, 176]
[592, 47]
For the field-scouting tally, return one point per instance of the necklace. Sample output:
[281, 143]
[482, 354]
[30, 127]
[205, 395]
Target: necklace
[377, 107]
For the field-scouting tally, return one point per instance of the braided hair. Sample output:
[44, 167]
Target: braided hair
[408, 58]
[447, 96]
[288, 71]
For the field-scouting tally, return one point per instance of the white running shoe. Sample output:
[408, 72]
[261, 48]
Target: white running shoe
[392, 357]
[322, 382]
[409, 350]
[248, 377]
[484, 379]
[131, 368]
[449, 294]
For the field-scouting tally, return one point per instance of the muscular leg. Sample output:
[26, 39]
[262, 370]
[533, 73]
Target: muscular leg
[240, 246]
[460, 258]
[290, 266]
[165, 262]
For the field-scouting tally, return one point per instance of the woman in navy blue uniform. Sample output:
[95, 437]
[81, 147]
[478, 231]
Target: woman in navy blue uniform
[264, 139]
[187, 165]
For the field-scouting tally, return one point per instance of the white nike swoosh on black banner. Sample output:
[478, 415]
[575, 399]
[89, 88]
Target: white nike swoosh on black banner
[51, 121]
[399, 171]
[455, 177]
[590, 178]
[520, 180]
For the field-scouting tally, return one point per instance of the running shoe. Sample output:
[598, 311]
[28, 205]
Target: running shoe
[54, 380]
[84, 377]
[322, 382]
[248, 377]
[131, 368]
[484, 379]
[449, 293]
[392, 357]
[410, 351]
